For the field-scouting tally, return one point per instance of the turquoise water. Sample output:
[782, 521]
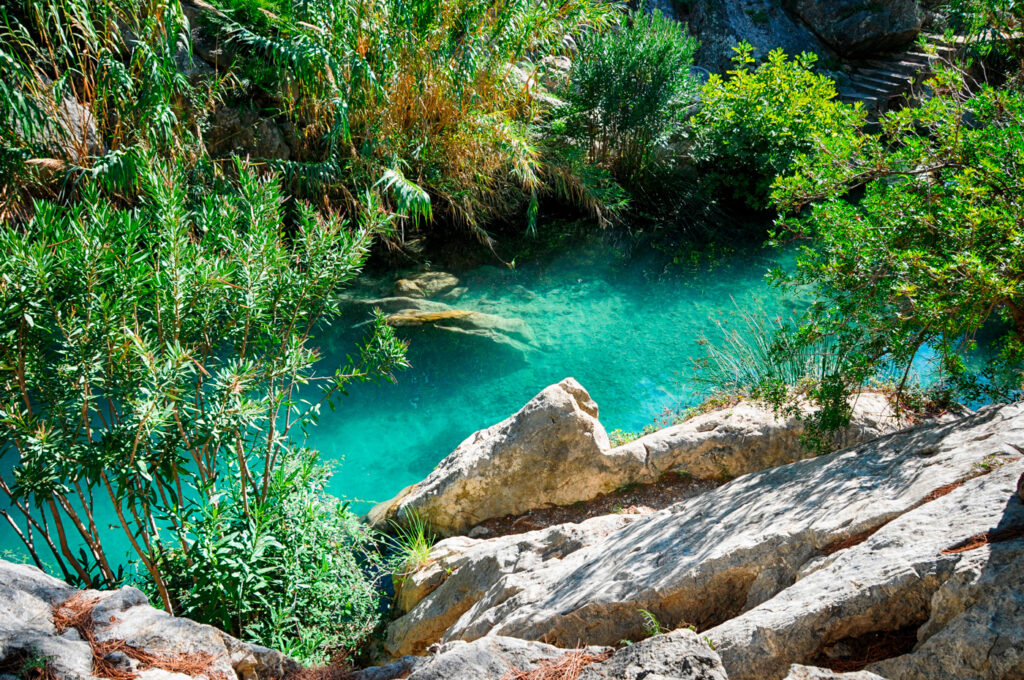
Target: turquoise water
[628, 327]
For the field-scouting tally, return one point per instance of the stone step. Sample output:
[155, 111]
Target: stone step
[904, 66]
[896, 80]
[869, 99]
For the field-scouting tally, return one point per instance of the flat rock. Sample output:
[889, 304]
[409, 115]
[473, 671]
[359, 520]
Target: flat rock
[491, 658]
[799, 672]
[680, 655]
[964, 610]
[413, 312]
[28, 598]
[715, 560]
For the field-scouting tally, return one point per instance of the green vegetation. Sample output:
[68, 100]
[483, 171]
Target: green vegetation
[928, 254]
[628, 93]
[412, 542]
[151, 360]
[176, 229]
[753, 125]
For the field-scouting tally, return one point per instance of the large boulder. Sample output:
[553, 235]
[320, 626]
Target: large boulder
[861, 28]
[783, 566]
[721, 24]
[554, 451]
[551, 451]
[157, 646]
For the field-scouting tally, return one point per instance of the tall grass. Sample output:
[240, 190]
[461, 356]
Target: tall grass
[758, 358]
[434, 104]
[87, 89]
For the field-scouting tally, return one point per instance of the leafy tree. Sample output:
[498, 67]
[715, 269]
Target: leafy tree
[628, 93]
[918, 243]
[152, 362]
[753, 124]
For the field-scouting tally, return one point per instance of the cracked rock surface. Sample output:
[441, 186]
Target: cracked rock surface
[775, 566]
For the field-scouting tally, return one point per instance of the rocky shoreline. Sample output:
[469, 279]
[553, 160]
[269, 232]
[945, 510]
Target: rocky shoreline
[900, 558]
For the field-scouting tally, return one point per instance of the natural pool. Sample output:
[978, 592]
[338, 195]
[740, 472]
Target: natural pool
[627, 326]
[626, 323]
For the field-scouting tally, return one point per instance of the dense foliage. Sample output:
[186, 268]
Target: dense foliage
[628, 92]
[917, 245]
[157, 363]
[752, 125]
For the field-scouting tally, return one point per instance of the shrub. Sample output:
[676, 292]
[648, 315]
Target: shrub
[151, 362]
[295, 570]
[753, 125]
[628, 92]
[929, 257]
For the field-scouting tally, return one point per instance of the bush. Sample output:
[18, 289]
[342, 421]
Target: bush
[753, 125]
[628, 91]
[151, 362]
[928, 257]
[295, 571]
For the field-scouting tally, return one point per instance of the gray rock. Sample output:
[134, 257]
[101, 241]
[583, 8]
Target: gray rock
[767, 543]
[240, 131]
[534, 456]
[967, 607]
[78, 134]
[860, 28]
[462, 570]
[1020, 488]
[491, 658]
[721, 24]
[679, 655]
[798, 672]
[27, 601]
[554, 451]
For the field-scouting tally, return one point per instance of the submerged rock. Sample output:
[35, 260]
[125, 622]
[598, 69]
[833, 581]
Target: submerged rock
[775, 566]
[30, 601]
[555, 451]
[426, 284]
[408, 312]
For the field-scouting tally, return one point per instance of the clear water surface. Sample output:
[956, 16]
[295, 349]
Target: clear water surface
[628, 328]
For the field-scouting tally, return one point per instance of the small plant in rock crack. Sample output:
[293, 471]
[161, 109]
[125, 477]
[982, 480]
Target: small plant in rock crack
[651, 624]
[412, 542]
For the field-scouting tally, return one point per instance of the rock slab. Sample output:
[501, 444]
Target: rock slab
[775, 566]
[28, 598]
